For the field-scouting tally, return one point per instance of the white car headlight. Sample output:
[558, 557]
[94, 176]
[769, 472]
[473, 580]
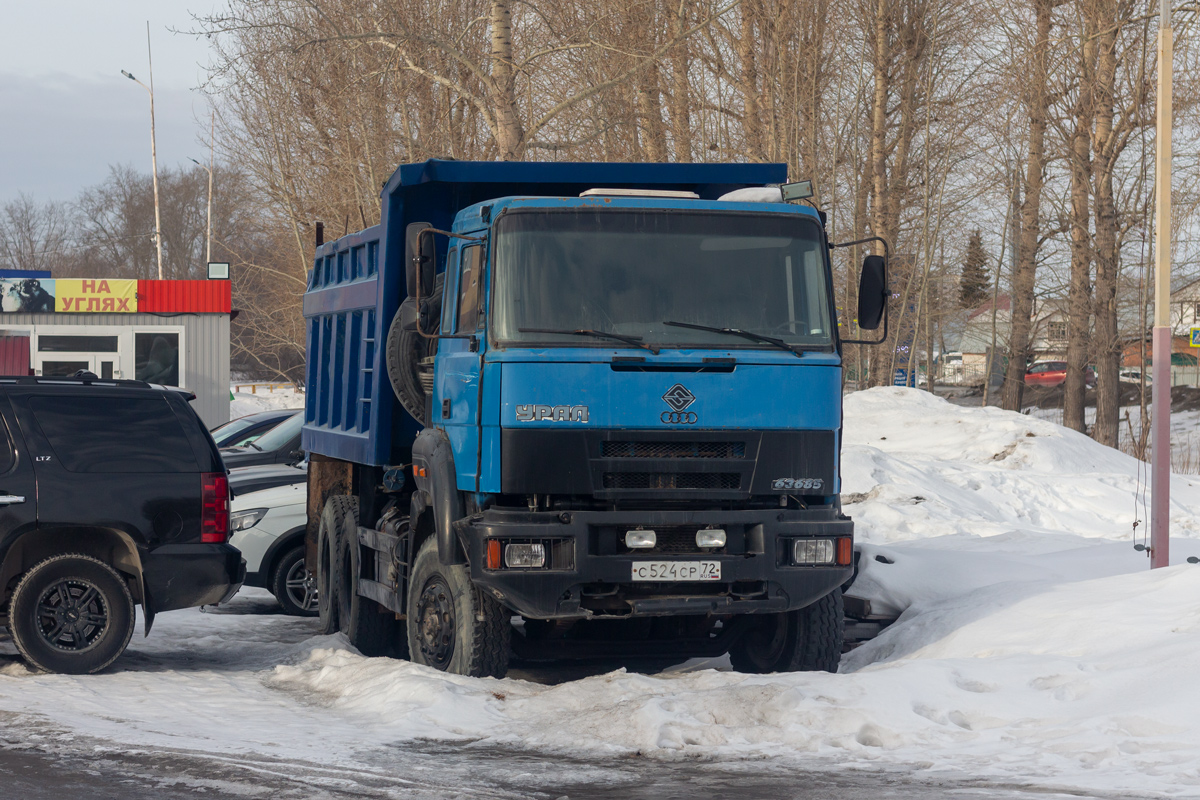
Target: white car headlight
[244, 520]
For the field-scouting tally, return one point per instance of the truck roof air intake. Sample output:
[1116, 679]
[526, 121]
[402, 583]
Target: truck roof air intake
[640, 193]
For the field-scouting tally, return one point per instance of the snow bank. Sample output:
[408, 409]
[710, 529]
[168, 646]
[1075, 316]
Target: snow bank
[1060, 685]
[244, 403]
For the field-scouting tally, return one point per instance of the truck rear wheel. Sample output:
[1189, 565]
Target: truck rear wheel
[453, 626]
[807, 640]
[335, 508]
[369, 627]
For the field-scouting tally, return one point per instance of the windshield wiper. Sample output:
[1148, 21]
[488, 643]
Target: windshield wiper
[256, 447]
[756, 337]
[636, 341]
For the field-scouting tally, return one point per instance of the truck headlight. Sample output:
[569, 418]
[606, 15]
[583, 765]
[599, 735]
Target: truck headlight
[244, 520]
[813, 551]
[640, 540]
[710, 538]
[529, 556]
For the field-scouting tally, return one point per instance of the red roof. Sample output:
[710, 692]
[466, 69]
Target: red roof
[181, 297]
[1003, 303]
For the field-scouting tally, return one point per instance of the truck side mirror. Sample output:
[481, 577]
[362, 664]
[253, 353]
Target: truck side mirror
[872, 292]
[413, 256]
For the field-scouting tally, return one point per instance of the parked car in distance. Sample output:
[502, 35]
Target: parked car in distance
[243, 430]
[280, 445]
[1132, 375]
[112, 494]
[268, 527]
[1054, 373]
[244, 480]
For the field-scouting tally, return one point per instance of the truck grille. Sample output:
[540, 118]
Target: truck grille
[673, 449]
[672, 480]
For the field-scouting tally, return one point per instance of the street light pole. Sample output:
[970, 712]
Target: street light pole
[153, 150]
[1160, 426]
[208, 235]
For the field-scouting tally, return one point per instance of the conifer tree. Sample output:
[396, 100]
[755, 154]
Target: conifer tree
[974, 284]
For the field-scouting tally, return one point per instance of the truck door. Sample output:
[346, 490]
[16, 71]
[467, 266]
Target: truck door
[18, 493]
[456, 401]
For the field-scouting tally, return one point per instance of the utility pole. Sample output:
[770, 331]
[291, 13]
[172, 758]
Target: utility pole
[153, 150]
[1160, 426]
[208, 235]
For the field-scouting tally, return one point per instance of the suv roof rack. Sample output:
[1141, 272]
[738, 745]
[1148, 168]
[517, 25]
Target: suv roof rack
[67, 380]
[26, 380]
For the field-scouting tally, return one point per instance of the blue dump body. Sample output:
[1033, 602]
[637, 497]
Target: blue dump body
[358, 282]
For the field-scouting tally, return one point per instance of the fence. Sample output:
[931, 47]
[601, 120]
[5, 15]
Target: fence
[270, 388]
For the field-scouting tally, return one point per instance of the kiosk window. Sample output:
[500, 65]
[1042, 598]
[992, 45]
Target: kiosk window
[156, 356]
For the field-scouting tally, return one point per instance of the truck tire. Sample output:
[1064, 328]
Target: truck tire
[335, 508]
[452, 626]
[404, 352]
[371, 628]
[71, 614]
[807, 640]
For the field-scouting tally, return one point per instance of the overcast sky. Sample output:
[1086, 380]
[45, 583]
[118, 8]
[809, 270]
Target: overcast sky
[67, 113]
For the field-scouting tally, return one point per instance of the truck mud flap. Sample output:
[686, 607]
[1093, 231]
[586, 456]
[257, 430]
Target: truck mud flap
[433, 456]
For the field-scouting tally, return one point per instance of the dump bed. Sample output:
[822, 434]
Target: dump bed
[357, 283]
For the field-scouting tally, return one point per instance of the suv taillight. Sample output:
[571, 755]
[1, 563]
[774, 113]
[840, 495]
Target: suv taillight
[214, 507]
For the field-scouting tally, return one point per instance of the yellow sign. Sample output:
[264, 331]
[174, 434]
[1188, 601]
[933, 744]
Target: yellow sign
[95, 295]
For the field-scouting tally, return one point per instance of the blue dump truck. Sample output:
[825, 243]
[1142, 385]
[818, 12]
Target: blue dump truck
[579, 410]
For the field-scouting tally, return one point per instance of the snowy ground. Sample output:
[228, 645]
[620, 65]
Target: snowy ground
[1034, 649]
[247, 402]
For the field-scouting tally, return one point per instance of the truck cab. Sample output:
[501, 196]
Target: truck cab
[627, 412]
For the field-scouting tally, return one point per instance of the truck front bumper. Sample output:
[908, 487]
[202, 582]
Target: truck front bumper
[587, 576]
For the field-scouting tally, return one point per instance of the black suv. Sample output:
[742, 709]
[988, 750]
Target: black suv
[112, 493]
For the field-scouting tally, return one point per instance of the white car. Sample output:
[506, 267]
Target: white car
[268, 527]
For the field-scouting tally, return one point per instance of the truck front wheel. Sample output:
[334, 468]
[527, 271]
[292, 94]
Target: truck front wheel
[807, 640]
[452, 626]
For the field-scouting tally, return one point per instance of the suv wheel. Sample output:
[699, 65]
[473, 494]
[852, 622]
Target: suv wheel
[294, 586]
[72, 614]
[452, 626]
[807, 640]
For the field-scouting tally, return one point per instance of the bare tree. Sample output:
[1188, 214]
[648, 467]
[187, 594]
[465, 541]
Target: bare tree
[33, 236]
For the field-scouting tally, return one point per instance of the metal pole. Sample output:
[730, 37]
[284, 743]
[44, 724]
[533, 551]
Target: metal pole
[154, 157]
[1160, 426]
[208, 237]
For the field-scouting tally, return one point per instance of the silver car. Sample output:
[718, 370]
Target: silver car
[268, 527]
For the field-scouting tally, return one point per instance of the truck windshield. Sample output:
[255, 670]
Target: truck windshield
[630, 271]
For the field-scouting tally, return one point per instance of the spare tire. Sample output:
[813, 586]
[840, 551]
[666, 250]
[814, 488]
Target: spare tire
[407, 355]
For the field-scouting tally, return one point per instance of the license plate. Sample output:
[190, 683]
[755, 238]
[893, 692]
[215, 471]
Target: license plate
[677, 570]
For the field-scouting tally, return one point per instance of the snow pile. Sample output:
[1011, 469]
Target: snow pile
[754, 194]
[1048, 688]
[264, 399]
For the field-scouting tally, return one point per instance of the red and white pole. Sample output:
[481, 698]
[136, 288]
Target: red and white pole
[1160, 430]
